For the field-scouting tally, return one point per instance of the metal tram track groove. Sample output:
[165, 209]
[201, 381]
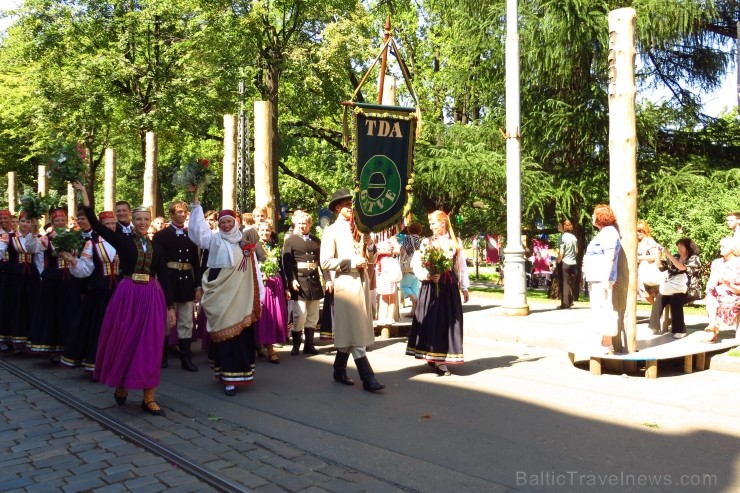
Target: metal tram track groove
[128, 433]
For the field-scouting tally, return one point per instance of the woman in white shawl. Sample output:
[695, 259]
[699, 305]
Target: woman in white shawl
[232, 296]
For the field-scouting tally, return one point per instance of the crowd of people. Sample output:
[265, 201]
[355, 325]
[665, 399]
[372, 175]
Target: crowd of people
[664, 279]
[139, 287]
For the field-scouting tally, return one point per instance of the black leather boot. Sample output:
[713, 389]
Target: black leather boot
[185, 360]
[164, 363]
[296, 343]
[308, 347]
[367, 376]
[340, 369]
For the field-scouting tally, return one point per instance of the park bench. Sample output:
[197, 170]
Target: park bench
[692, 349]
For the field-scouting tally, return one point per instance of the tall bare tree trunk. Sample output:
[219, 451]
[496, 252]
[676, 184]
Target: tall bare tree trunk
[273, 82]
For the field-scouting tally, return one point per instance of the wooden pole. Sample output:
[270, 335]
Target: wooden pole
[623, 167]
[229, 180]
[384, 59]
[150, 171]
[109, 180]
[43, 186]
[11, 192]
[263, 157]
[389, 91]
[71, 202]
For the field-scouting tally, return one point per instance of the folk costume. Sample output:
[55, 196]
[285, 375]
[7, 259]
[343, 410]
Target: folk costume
[183, 262]
[21, 272]
[98, 265]
[342, 249]
[437, 326]
[57, 311]
[124, 229]
[301, 263]
[232, 293]
[272, 327]
[132, 334]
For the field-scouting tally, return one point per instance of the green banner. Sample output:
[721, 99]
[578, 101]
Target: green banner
[384, 158]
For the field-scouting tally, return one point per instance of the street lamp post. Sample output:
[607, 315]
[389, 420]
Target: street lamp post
[515, 293]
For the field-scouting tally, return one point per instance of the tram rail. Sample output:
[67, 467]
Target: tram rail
[128, 433]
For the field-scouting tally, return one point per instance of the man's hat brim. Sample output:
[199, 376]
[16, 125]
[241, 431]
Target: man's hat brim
[339, 196]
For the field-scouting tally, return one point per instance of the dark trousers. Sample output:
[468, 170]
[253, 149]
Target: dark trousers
[567, 272]
[676, 302]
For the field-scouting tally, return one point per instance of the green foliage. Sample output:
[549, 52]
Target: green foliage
[105, 73]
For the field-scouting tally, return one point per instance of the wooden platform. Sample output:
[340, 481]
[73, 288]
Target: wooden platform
[692, 349]
[386, 330]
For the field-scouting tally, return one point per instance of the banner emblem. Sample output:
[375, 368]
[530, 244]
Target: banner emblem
[384, 160]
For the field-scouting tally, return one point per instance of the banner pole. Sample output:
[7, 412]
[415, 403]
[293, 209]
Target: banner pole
[384, 59]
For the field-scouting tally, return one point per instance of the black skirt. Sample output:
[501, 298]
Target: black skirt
[18, 305]
[233, 360]
[437, 327]
[82, 341]
[56, 314]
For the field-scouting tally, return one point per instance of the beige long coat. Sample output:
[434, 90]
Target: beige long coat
[353, 314]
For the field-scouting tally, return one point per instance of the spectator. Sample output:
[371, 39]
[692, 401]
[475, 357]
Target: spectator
[648, 254]
[410, 284]
[567, 251]
[687, 262]
[600, 271]
[723, 289]
[733, 222]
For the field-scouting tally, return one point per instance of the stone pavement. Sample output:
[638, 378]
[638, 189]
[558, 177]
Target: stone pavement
[516, 417]
[47, 446]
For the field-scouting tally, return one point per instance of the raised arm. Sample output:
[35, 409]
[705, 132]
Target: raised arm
[110, 236]
[198, 229]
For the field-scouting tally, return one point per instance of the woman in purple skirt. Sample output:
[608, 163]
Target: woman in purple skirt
[132, 335]
[272, 327]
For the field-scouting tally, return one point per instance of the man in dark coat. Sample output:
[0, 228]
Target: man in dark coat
[183, 262]
[123, 218]
[302, 271]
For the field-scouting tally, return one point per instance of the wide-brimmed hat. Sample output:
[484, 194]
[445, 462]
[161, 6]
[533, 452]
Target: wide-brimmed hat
[339, 196]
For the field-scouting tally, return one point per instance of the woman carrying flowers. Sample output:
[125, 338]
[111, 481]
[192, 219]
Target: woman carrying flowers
[98, 266]
[57, 311]
[132, 335]
[272, 327]
[437, 327]
[232, 295]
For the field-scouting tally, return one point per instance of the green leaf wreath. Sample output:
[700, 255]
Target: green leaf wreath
[65, 240]
[271, 266]
[35, 205]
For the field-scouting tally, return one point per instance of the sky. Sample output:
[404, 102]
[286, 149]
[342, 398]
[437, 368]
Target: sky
[714, 103]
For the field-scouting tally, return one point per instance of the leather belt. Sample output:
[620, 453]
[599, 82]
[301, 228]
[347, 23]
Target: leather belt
[307, 265]
[180, 265]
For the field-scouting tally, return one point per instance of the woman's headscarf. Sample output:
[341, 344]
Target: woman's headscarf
[221, 250]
